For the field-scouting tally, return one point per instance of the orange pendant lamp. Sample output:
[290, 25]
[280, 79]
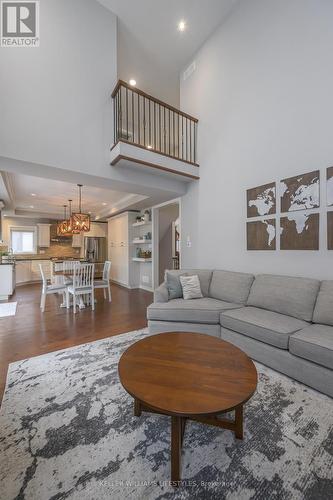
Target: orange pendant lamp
[62, 226]
[80, 222]
[70, 228]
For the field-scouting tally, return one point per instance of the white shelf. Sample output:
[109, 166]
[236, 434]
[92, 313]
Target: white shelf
[139, 259]
[140, 242]
[143, 223]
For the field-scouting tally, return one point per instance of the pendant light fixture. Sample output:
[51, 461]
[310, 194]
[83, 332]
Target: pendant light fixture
[80, 222]
[70, 228]
[62, 226]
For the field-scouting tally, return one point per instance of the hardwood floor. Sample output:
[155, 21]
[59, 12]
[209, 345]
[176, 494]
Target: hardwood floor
[32, 332]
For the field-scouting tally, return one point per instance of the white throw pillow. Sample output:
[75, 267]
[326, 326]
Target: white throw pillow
[191, 287]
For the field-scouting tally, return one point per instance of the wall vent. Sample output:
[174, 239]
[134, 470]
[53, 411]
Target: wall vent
[189, 70]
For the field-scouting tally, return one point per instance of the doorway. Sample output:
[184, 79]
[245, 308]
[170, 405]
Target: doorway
[167, 239]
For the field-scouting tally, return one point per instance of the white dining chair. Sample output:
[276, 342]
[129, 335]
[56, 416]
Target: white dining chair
[82, 284]
[68, 266]
[47, 289]
[105, 281]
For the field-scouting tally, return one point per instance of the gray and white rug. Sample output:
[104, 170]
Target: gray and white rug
[67, 431]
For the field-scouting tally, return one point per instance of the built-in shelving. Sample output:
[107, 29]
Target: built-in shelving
[141, 259]
[143, 223]
[142, 242]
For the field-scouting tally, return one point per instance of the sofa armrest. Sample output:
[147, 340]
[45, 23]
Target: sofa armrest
[161, 294]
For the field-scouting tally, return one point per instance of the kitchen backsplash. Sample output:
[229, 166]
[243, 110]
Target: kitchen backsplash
[55, 250]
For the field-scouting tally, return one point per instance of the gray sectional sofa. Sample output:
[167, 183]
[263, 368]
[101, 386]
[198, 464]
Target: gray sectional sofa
[282, 321]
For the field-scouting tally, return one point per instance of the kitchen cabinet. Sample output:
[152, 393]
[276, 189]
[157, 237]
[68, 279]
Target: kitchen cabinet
[7, 281]
[43, 235]
[119, 250]
[28, 270]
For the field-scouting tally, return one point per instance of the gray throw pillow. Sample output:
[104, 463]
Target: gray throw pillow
[173, 285]
[191, 287]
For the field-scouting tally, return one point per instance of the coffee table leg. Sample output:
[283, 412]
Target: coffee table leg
[137, 408]
[239, 422]
[177, 427]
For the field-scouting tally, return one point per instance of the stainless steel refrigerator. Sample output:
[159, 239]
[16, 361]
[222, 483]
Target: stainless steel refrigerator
[95, 249]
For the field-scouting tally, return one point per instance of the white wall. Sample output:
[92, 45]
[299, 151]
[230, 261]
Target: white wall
[55, 103]
[151, 77]
[263, 94]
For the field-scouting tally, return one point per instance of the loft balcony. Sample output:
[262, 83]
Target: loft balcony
[152, 135]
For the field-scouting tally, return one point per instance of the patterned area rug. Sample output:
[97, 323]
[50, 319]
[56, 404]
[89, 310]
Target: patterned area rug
[68, 431]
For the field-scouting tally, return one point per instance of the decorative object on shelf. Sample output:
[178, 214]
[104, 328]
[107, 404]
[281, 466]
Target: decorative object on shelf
[329, 230]
[300, 192]
[261, 235]
[147, 216]
[142, 254]
[147, 236]
[300, 232]
[330, 186]
[261, 200]
[80, 221]
[138, 218]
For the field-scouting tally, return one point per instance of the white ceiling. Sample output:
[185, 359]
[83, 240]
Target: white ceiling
[153, 24]
[44, 197]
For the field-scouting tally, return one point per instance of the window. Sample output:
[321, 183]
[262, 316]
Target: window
[23, 240]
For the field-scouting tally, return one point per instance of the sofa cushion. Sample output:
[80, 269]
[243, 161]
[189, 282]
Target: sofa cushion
[205, 310]
[230, 286]
[314, 343]
[323, 312]
[205, 277]
[267, 326]
[191, 287]
[173, 284]
[285, 294]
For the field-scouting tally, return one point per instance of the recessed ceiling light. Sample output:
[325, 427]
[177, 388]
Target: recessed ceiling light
[31, 206]
[33, 194]
[104, 203]
[132, 82]
[149, 146]
[181, 26]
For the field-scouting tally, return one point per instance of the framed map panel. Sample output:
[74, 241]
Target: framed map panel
[330, 230]
[261, 200]
[300, 192]
[330, 186]
[261, 235]
[299, 232]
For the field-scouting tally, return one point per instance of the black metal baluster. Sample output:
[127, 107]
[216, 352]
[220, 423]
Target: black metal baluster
[126, 113]
[195, 146]
[190, 140]
[149, 123]
[139, 123]
[186, 138]
[133, 138]
[144, 121]
[169, 131]
[155, 125]
[159, 128]
[164, 129]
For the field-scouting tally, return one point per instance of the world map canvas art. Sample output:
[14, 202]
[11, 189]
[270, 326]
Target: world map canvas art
[330, 186]
[261, 235]
[329, 230]
[299, 232]
[300, 192]
[261, 200]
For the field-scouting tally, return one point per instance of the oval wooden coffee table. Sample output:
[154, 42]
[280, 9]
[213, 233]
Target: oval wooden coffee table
[188, 376]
